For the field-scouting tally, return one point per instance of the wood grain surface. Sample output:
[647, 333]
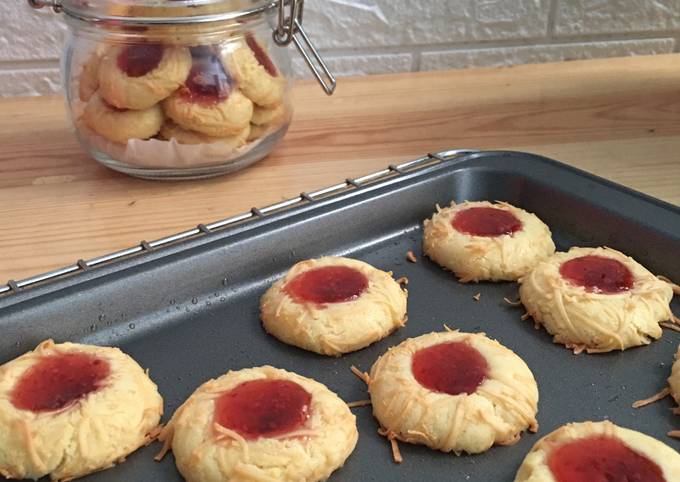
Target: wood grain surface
[617, 118]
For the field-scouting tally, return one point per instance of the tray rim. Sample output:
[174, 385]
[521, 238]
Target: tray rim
[85, 270]
[304, 199]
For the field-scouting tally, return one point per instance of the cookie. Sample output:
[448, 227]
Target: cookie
[261, 424]
[454, 392]
[268, 116]
[122, 125]
[266, 120]
[599, 451]
[486, 241]
[88, 81]
[170, 131]
[67, 410]
[172, 32]
[596, 299]
[256, 132]
[333, 305]
[257, 76]
[209, 101]
[141, 75]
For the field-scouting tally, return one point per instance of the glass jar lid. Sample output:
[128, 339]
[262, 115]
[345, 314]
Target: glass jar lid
[158, 11]
[163, 12]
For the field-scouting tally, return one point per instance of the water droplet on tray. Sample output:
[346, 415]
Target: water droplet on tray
[194, 301]
[132, 326]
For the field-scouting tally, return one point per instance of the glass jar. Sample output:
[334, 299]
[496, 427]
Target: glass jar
[181, 89]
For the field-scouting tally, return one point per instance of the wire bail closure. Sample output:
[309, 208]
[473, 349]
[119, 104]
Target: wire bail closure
[289, 30]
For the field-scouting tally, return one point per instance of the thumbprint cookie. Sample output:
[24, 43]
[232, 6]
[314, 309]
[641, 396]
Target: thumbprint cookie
[454, 392]
[257, 76]
[67, 410]
[170, 131]
[596, 299]
[333, 305]
[599, 452]
[261, 424]
[141, 75]
[257, 131]
[267, 119]
[268, 115]
[122, 125]
[486, 241]
[88, 82]
[209, 101]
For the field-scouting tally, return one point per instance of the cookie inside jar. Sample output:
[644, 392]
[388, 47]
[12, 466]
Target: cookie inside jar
[178, 100]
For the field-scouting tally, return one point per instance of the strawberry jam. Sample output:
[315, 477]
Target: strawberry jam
[208, 83]
[598, 274]
[264, 408]
[601, 459]
[452, 368]
[261, 56]
[485, 221]
[329, 284]
[59, 380]
[139, 60]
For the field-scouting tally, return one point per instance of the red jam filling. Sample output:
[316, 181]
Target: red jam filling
[58, 381]
[261, 56]
[452, 368]
[598, 274]
[264, 408]
[208, 83]
[601, 459]
[139, 60]
[484, 221]
[330, 284]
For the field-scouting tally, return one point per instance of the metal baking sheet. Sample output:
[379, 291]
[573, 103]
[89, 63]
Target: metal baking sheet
[190, 312]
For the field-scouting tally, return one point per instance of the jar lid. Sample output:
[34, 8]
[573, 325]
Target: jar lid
[164, 11]
[173, 12]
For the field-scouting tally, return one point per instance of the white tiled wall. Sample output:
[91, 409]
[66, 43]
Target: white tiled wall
[378, 36]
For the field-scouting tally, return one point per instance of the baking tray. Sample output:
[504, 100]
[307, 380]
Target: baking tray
[189, 311]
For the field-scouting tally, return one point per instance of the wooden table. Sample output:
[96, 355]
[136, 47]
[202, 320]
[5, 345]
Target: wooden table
[618, 118]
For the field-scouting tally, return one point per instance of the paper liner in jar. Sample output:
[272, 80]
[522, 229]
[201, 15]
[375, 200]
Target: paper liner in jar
[156, 153]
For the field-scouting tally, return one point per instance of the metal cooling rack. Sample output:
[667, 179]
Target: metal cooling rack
[392, 171]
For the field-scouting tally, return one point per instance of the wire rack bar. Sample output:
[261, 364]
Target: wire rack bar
[392, 171]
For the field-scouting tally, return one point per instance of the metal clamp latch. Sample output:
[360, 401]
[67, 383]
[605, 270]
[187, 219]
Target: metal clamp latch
[289, 30]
